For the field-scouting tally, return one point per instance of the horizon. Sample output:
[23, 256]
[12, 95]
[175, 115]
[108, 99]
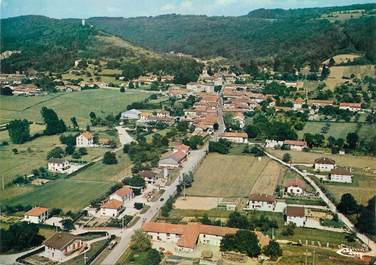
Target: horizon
[117, 8]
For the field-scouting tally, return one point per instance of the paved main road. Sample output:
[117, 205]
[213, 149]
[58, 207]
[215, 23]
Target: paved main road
[371, 244]
[125, 236]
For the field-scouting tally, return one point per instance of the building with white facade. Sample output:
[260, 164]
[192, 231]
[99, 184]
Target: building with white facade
[341, 174]
[111, 208]
[295, 187]
[273, 143]
[61, 245]
[123, 194]
[296, 145]
[85, 139]
[132, 114]
[324, 164]
[350, 106]
[296, 215]
[37, 215]
[235, 137]
[262, 202]
[58, 165]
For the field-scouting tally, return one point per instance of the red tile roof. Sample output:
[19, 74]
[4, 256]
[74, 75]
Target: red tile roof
[295, 211]
[295, 183]
[325, 160]
[87, 135]
[351, 105]
[295, 142]
[124, 191]
[234, 134]
[36, 211]
[262, 197]
[112, 204]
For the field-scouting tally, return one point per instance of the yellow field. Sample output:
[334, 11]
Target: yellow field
[342, 58]
[228, 175]
[337, 72]
[268, 179]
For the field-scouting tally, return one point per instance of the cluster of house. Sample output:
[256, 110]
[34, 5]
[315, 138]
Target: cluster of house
[149, 78]
[187, 236]
[296, 145]
[145, 117]
[336, 174]
[26, 90]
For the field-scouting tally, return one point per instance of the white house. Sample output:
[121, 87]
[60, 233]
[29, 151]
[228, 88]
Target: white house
[262, 202]
[36, 215]
[235, 137]
[296, 215]
[111, 208]
[58, 165]
[174, 160]
[296, 144]
[123, 194]
[341, 174]
[61, 245]
[85, 139]
[324, 164]
[294, 187]
[273, 143]
[187, 236]
[350, 106]
[148, 176]
[132, 114]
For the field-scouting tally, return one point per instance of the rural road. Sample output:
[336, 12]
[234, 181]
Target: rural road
[124, 136]
[193, 161]
[371, 244]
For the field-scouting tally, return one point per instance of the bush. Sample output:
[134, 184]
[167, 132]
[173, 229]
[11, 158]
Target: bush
[138, 205]
[109, 158]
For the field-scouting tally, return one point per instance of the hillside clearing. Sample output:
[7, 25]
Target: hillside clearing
[338, 72]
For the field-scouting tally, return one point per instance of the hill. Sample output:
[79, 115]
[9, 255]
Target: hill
[297, 35]
[47, 44]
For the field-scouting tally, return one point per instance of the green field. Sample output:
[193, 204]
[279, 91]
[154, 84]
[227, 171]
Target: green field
[338, 129]
[67, 194]
[67, 105]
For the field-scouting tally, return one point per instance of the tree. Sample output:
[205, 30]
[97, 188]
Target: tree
[286, 157]
[244, 241]
[366, 222]
[67, 224]
[74, 123]
[352, 140]
[348, 204]
[54, 125]
[82, 151]
[135, 181]
[182, 126]
[68, 139]
[69, 149]
[289, 229]
[19, 131]
[122, 89]
[272, 250]
[140, 241]
[131, 85]
[222, 146]
[20, 236]
[57, 152]
[6, 91]
[205, 219]
[109, 158]
[238, 220]
[153, 257]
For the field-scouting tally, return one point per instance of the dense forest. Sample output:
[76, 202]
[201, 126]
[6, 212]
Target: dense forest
[48, 44]
[300, 34]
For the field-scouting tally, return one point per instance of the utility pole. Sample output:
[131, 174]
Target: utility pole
[2, 182]
[313, 257]
[305, 254]
[85, 258]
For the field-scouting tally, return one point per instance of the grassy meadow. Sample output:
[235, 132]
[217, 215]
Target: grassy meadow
[67, 105]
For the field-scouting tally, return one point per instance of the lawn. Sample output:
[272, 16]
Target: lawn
[293, 255]
[227, 176]
[67, 105]
[341, 160]
[106, 173]
[67, 194]
[337, 130]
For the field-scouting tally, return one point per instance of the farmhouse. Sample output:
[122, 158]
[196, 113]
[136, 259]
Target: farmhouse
[294, 186]
[36, 215]
[58, 165]
[61, 245]
[235, 137]
[123, 194]
[148, 176]
[273, 143]
[132, 114]
[182, 147]
[296, 144]
[341, 174]
[186, 237]
[296, 215]
[262, 202]
[174, 160]
[85, 139]
[350, 106]
[324, 164]
[111, 208]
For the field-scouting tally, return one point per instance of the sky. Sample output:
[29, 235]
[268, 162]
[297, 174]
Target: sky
[134, 8]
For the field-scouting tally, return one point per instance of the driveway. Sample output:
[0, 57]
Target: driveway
[124, 136]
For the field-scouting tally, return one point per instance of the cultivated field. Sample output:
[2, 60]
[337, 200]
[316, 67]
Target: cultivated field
[268, 179]
[67, 105]
[227, 176]
[197, 203]
[337, 72]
